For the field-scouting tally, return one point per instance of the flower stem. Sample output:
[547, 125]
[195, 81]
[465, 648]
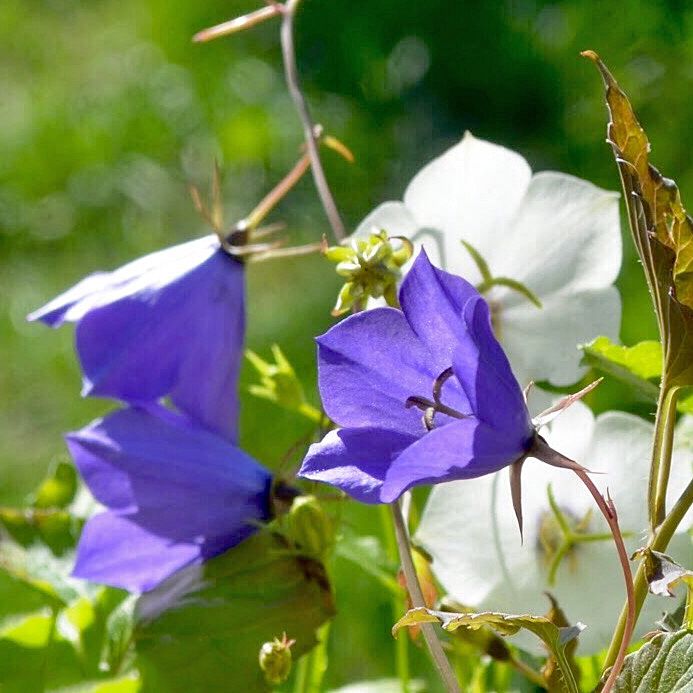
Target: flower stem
[659, 542]
[309, 130]
[661, 454]
[542, 451]
[398, 604]
[417, 600]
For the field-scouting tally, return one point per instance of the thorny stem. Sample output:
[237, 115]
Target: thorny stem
[546, 454]
[309, 130]
[417, 600]
[661, 454]
[659, 542]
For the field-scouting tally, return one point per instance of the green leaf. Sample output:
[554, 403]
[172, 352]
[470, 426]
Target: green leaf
[554, 637]
[661, 230]
[663, 665]
[39, 569]
[368, 554]
[119, 630]
[204, 626]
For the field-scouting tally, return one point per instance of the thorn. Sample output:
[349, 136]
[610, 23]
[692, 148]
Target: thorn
[527, 390]
[516, 491]
[553, 411]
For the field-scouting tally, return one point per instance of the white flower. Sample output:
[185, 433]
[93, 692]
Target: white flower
[556, 234]
[470, 530]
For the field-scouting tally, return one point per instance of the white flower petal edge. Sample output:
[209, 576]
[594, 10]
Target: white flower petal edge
[557, 234]
[470, 530]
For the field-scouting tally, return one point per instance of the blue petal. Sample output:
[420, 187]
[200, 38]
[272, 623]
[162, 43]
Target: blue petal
[169, 324]
[355, 460]
[433, 302]
[464, 449]
[169, 485]
[483, 369]
[370, 364]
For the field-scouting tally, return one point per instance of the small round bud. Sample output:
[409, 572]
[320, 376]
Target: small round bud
[310, 528]
[275, 660]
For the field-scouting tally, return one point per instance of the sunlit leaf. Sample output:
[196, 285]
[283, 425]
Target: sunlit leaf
[204, 626]
[552, 671]
[662, 231]
[663, 665]
[554, 637]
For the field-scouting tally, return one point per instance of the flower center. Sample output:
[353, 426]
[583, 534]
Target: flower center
[436, 405]
[560, 533]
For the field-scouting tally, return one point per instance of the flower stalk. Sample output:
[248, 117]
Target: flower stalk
[417, 600]
[310, 131]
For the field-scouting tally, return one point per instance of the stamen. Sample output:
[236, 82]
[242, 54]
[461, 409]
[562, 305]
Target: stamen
[430, 408]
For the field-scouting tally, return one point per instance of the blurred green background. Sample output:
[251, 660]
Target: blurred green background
[108, 111]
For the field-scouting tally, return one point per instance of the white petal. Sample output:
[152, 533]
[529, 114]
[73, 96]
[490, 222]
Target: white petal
[393, 217]
[542, 343]
[470, 192]
[566, 237]
[469, 529]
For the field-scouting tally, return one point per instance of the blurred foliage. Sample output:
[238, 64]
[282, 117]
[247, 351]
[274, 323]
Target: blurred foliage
[109, 111]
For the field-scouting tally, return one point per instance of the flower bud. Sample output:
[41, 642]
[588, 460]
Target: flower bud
[310, 528]
[275, 660]
[371, 267]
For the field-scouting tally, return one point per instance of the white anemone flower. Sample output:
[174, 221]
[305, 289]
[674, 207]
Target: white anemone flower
[557, 235]
[470, 530]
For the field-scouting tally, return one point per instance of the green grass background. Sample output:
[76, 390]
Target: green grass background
[107, 111]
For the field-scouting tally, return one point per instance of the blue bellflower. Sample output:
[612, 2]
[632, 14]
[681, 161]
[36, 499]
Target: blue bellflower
[379, 369]
[168, 324]
[175, 495]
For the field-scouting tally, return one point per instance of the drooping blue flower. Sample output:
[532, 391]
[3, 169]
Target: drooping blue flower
[168, 324]
[379, 369]
[175, 495]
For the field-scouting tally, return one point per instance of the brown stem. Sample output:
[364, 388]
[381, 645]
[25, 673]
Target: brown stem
[309, 130]
[417, 600]
[278, 192]
[543, 452]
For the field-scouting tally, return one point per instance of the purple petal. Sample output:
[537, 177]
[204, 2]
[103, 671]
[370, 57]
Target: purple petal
[115, 550]
[369, 365]
[483, 369]
[169, 324]
[433, 302]
[355, 460]
[464, 449]
[171, 482]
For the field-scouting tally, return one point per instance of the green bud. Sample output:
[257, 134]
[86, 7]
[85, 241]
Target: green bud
[371, 267]
[280, 384]
[275, 660]
[310, 528]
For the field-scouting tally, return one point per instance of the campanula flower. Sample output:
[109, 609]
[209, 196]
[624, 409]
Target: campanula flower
[168, 324]
[477, 558]
[379, 370]
[175, 495]
[556, 236]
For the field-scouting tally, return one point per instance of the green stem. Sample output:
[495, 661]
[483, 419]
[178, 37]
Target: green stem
[318, 661]
[661, 454]
[49, 645]
[659, 542]
[417, 600]
[398, 603]
[301, 674]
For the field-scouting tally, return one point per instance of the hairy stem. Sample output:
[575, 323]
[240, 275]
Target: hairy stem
[659, 542]
[309, 130]
[542, 451]
[661, 454]
[417, 600]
